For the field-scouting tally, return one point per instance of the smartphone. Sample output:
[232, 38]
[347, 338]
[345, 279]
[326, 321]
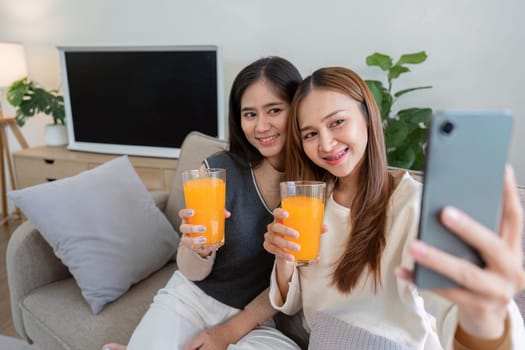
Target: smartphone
[464, 167]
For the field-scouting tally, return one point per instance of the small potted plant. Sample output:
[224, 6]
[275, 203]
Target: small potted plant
[29, 98]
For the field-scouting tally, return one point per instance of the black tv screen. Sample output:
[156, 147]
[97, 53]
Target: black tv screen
[141, 100]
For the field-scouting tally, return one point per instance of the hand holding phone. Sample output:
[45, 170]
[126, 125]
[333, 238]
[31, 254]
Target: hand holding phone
[466, 156]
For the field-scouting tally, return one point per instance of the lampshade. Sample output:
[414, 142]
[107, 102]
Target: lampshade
[12, 63]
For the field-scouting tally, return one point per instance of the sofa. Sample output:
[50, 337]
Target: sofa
[46, 304]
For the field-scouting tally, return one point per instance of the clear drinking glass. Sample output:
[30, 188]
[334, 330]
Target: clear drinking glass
[304, 201]
[205, 193]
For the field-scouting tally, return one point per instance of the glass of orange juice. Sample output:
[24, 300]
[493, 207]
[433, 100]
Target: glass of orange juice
[304, 202]
[205, 193]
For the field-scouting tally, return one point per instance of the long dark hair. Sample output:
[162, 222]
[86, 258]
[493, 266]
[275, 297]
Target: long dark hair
[283, 78]
[368, 211]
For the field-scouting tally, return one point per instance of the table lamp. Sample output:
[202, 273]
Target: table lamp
[12, 64]
[12, 67]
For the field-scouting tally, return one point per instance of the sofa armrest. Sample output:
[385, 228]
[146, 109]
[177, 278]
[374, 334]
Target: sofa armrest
[30, 263]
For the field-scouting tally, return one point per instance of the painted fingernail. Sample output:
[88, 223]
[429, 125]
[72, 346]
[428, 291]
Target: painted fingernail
[290, 258]
[295, 247]
[420, 248]
[292, 233]
[201, 229]
[202, 239]
[190, 212]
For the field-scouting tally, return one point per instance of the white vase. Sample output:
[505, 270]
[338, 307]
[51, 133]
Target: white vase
[56, 135]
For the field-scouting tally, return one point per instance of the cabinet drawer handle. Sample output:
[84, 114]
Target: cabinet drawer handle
[49, 161]
[49, 179]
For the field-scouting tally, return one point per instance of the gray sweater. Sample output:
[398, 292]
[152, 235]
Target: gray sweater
[242, 267]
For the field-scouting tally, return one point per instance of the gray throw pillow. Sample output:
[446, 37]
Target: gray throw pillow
[104, 226]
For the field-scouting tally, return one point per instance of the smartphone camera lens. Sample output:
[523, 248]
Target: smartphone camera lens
[447, 127]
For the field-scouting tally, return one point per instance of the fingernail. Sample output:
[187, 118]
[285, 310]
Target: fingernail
[510, 171]
[202, 229]
[295, 247]
[190, 212]
[290, 258]
[452, 214]
[202, 239]
[420, 248]
[292, 233]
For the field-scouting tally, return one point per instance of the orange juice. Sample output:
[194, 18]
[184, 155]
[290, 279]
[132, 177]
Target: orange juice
[305, 215]
[206, 196]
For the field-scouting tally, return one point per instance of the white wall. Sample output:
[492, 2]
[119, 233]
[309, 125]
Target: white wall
[476, 48]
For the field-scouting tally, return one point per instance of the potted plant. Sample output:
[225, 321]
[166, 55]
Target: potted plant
[405, 130]
[29, 98]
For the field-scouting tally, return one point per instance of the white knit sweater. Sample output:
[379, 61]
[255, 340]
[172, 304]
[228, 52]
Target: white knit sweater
[397, 311]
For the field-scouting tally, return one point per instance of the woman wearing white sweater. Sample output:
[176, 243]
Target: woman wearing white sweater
[368, 251]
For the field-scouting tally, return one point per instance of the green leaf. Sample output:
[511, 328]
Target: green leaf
[380, 60]
[419, 162]
[402, 158]
[396, 71]
[402, 92]
[386, 106]
[412, 58]
[20, 119]
[383, 98]
[376, 88]
[415, 115]
[26, 109]
[418, 137]
[17, 91]
[395, 133]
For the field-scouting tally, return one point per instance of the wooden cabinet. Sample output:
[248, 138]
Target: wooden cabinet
[45, 163]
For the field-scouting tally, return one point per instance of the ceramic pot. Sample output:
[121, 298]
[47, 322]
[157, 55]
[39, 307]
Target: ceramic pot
[56, 135]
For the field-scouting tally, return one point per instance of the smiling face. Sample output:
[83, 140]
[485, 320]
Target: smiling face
[333, 131]
[263, 120]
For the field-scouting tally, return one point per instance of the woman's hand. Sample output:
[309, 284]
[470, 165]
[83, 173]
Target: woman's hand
[486, 291]
[274, 239]
[190, 237]
[224, 334]
[215, 338]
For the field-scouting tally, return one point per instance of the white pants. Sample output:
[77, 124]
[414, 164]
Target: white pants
[181, 311]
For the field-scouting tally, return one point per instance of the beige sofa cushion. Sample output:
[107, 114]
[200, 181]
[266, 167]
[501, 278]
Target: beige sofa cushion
[57, 316]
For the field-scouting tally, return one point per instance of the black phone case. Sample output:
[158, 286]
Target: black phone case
[464, 168]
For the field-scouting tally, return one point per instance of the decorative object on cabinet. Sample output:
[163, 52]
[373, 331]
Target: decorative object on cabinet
[30, 98]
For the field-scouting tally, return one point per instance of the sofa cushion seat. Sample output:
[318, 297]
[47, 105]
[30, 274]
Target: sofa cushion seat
[58, 313]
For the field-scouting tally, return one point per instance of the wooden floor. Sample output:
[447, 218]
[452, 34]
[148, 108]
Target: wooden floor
[6, 325]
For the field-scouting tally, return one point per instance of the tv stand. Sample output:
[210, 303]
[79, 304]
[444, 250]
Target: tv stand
[41, 164]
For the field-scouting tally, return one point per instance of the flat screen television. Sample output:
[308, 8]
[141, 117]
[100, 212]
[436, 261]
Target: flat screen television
[141, 100]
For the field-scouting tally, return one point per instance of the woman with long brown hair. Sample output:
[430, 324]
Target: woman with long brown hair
[366, 256]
